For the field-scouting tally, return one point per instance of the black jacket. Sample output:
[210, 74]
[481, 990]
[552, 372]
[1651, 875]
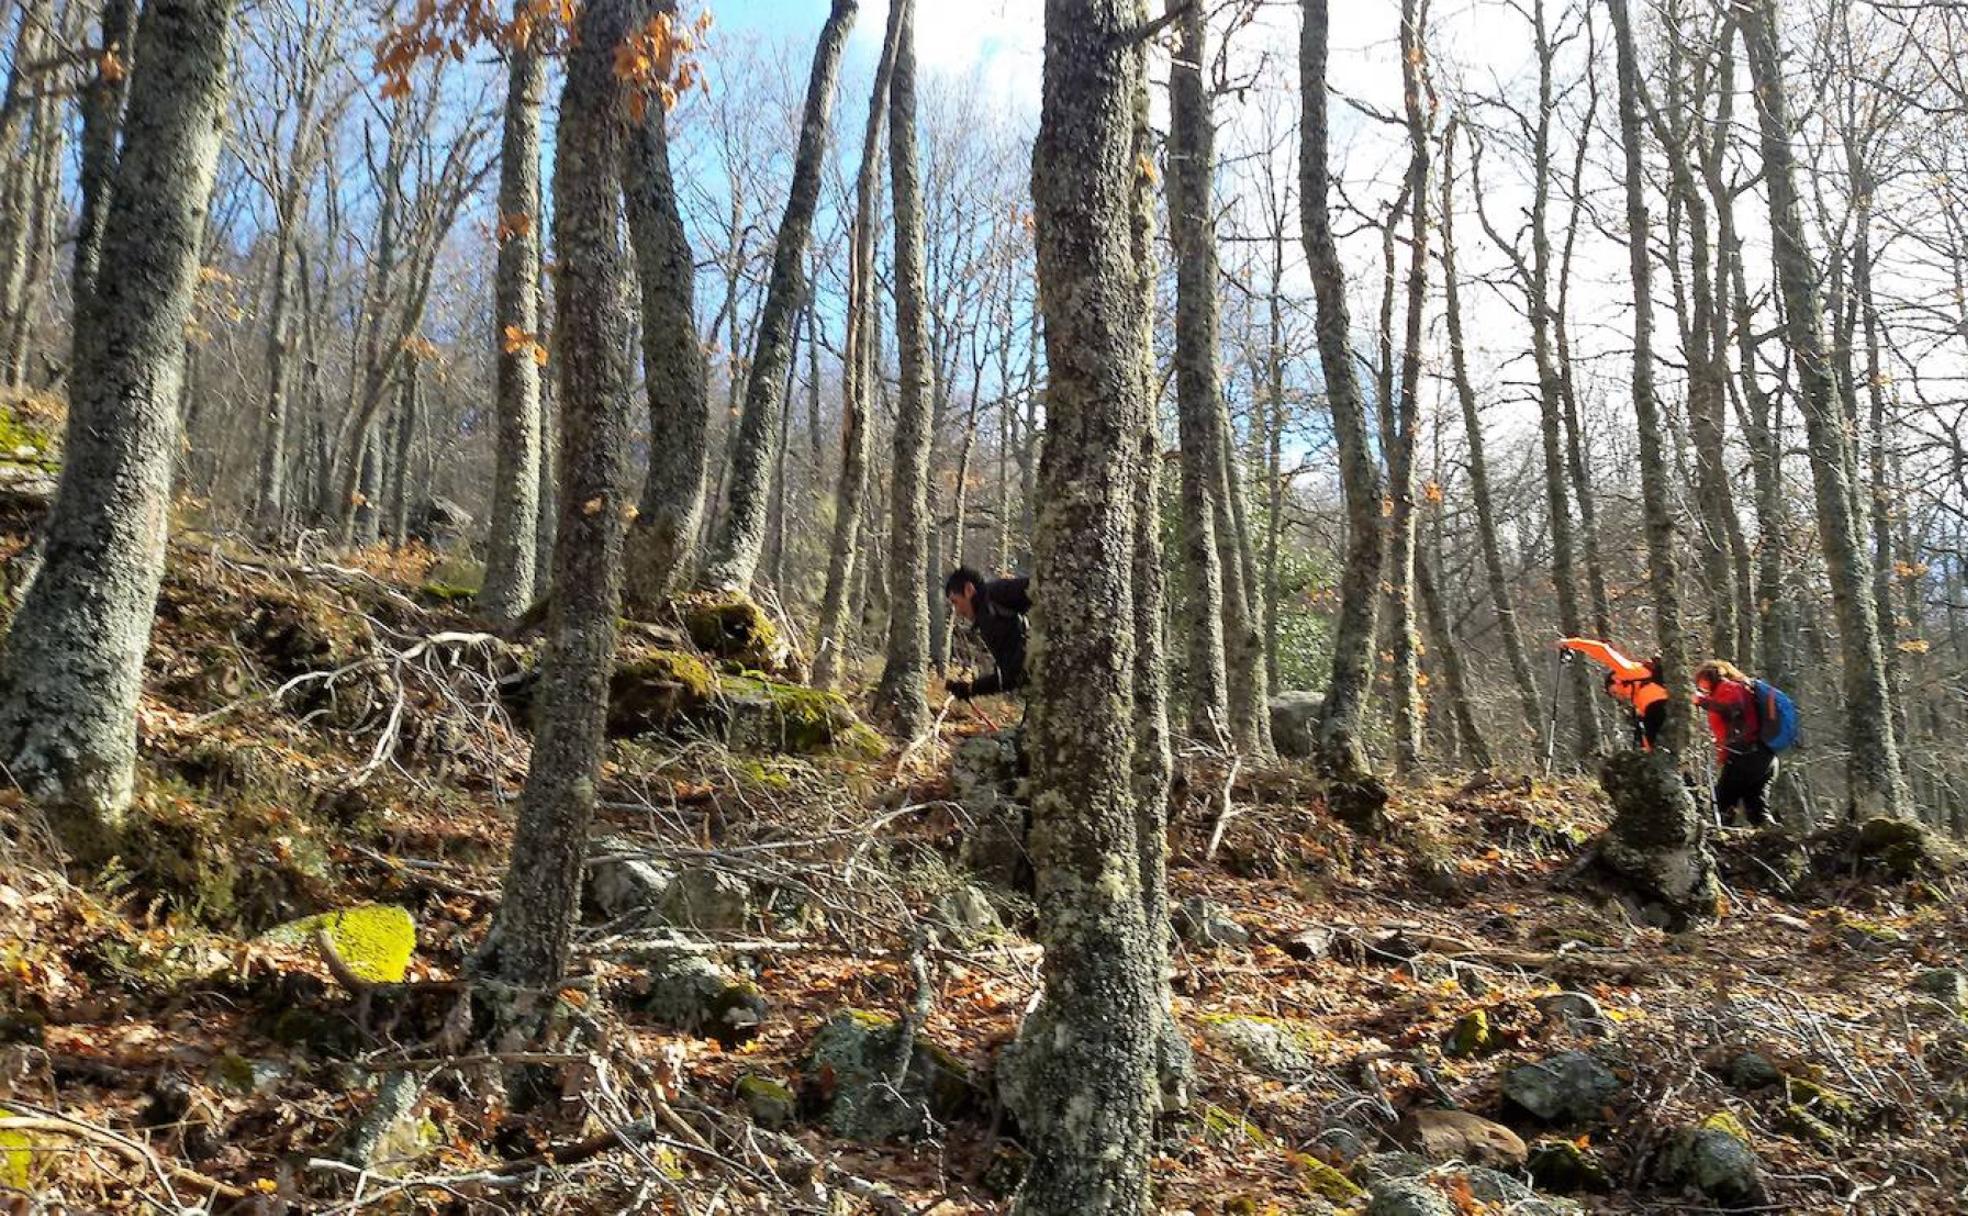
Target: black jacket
[1001, 607]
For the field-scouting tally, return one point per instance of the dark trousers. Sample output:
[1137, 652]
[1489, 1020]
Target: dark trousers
[1647, 726]
[1745, 780]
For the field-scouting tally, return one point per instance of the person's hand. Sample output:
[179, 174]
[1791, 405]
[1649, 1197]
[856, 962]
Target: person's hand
[960, 689]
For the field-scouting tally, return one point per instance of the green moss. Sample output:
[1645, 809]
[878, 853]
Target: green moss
[1800, 1122]
[447, 593]
[16, 1156]
[1726, 1123]
[375, 940]
[1471, 1035]
[1826, 1104]
[22, 441]
[774, 716]
[771, 1103]
[655, 690]
[732, 627]
[1561, 1165]
[1222, 1126]
[1325, 1182]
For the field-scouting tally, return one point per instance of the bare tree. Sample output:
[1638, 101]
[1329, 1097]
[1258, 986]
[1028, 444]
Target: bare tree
[73, 663]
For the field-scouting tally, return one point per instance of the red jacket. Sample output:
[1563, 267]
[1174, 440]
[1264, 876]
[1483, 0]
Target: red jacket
[1732, 718]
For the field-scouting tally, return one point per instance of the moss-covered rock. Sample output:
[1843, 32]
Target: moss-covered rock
[1284, 1048]
[1896, 850]
[1654, 850]
[771, 1103]
[987, 780]
[1226, 1127]
[375, 941]
[1948, 985]
[230, 859]
[1566, 1166]
[394, 1132]
[732, 627]
[846, 1080]
[653, 690]
[769, 716]
[1472, 1035]
[1716, 1159]
[1322, 1181]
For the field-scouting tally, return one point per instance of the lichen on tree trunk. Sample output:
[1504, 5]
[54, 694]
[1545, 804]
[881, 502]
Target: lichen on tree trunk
[73, 664]
[1088, 1051]
[529, 941]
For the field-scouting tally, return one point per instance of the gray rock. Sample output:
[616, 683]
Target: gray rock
[709, 901]
[1311, 945]
[1569, 1086]
[627, 888]
[391, 1134]
[1716, 1162]
[1276, 1047]
[1946, 985]
[986, 782]
[1375, 1168]
[690, 991]
[967, 912]
[1295, 723]
[857, 1050]
[1576, 1010]
[1753, 1070]
[770, 1102]
[1408, 1197]
[1349, 1142]
[1655, 846]
[1205, 923]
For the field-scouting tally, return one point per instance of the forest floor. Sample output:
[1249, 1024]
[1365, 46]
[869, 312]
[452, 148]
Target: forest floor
[321, 737]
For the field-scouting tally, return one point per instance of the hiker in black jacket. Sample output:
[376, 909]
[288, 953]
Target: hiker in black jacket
[997, 608]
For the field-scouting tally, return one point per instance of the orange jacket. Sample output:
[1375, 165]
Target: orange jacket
[1634, 683]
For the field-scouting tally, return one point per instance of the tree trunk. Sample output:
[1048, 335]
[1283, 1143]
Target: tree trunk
[741, 533]
[102, 124]
[270, 497]
[1191, 164]
[1090, 1046]
[1479, 466]
[840, 608]
[1663, 576]
[902, 693]
[509, 572]
[1407, 420]
[1449, 655]
[402, 485]
[1341, 751]
[528, 946]
[1873, 768]
[662, 541]
[73, 662]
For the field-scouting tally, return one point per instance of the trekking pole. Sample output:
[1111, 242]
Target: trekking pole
[1551, 728]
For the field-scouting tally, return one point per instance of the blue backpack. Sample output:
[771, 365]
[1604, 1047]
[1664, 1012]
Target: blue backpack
[1776, 713]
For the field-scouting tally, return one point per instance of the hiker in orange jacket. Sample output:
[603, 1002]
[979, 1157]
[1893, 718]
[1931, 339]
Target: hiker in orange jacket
[1637, 685]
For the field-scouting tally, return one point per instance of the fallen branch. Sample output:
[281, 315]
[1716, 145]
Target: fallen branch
[123, 1147]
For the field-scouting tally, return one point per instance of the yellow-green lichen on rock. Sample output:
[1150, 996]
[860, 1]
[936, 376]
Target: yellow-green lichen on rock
[1222, 1126]
[16, 1156]
[1325, 1182]
[375, 940]
[767, 715]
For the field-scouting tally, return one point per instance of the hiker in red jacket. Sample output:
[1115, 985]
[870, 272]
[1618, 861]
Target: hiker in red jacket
[1747, 764]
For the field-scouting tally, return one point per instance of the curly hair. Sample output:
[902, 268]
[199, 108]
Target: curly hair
[1715, 671]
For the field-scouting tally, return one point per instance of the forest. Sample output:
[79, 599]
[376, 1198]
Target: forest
[1231, 607]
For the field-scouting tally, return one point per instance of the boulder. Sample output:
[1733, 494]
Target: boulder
[441, 524]
[707, 900]
[986, 781]
[1715, 1158]
[1458, 1135]
[1561, 1165]
[1654, 849]
[846, 1074]
[624, 887]
[1752, 1070]
[1472, 1035]
[691, 992]
[1409, 1197]
[1947, 985]
[1204, 923]
[1572, 1010]
[1311, 945]
[771, 1103]
[732, 627]
[1283, 1048]
[1375, 1168]
[392, 1133]
[1295, 723]
[1901, 850]
[1570, 1086]
[968, 915]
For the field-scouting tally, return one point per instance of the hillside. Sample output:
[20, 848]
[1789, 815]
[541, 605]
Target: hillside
[318, 739]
